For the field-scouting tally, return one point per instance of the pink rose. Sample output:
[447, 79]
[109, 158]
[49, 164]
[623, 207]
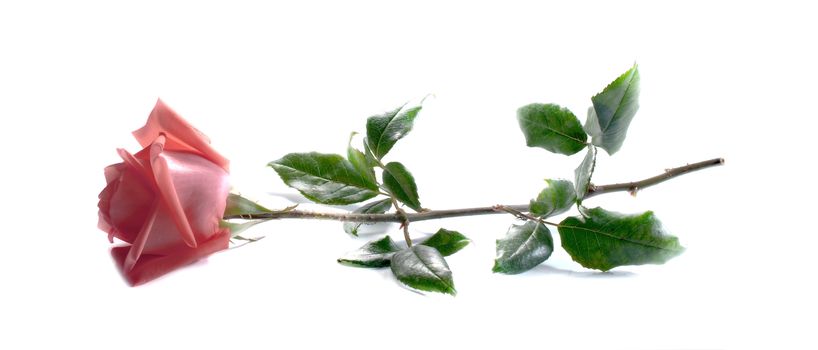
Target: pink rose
[166, 201]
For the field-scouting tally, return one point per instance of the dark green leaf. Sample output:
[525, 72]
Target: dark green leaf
[524, 247]
[400, 183]
[376, 253]
[359, 161]
[384, 130]
[238, 205]
[555, 199]
[446, 242]
[324, 178]
[423, 268]
[376, 207]
[370, 158]
[551, 127]
[602, 239]
[613, 111]
[583, 174]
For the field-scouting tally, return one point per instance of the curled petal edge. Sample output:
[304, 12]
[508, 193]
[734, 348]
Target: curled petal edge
[181, 135]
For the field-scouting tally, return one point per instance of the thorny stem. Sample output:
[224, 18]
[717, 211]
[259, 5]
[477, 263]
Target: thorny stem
[523, 216]
[635, 186]
[403, 217]
[404, 222]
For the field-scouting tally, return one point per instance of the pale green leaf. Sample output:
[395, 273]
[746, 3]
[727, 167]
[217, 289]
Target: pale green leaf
[613, 111]
[583, 173]
[238, 205]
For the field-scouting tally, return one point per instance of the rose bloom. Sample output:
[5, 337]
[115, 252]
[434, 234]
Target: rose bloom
[166, 200]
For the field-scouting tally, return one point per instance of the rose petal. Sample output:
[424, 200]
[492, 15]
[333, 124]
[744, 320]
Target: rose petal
[141, 239]
[168, 193]
[150, 267]
[136, 165]
[125, 202]
[202, 188]
[112, 177]
[181, 135]
[112, 172]
[166, 237]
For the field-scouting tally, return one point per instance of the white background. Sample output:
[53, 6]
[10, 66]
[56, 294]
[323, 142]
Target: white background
[718, 80]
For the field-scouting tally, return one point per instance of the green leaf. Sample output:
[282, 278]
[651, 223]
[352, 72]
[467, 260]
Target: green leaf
[555, 199]
[592, 125]
[359, 161]
[375, 253]
[551, 127]
[384, 130]
[237, 228]
[424, 268]
[376, 207]
[446, 242]
[324, 178]
[602, 239]
[370, 158]
[613, 111]
[238, 205]
[247, 239]
[400, 183]
[583, 173]
[524, 247]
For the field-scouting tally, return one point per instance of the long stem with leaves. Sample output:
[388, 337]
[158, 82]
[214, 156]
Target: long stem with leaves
[596, 238]
[402, 217]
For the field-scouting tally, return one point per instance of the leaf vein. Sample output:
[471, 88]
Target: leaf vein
[549, 128]
[620, 238]
[426, 265]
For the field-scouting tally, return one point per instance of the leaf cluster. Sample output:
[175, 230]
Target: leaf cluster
[333, 179]
[421, 266]
[363, 175]
[597, 238]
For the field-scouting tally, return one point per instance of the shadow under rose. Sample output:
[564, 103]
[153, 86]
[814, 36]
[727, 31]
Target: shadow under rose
[550, 270]
[150, 267]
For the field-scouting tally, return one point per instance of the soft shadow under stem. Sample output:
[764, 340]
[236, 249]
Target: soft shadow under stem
[550, 270]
